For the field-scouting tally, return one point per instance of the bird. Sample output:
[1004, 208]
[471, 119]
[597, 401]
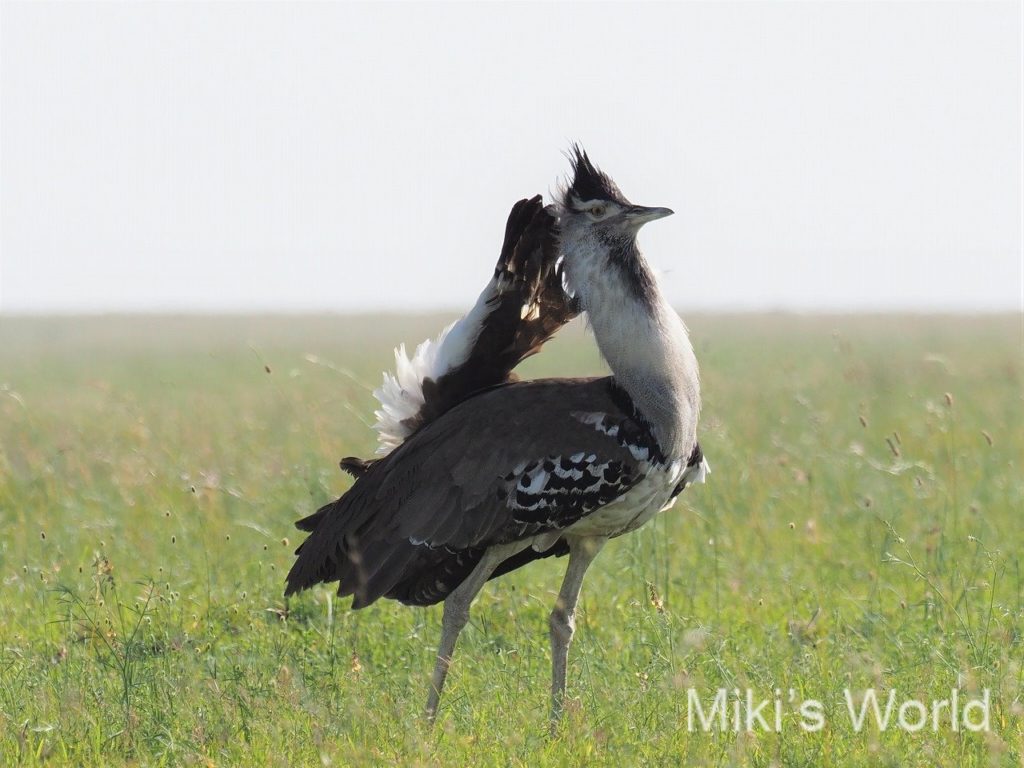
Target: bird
[484, 474]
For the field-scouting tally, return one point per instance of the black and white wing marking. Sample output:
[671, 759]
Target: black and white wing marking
[696, 470]
[554, 493]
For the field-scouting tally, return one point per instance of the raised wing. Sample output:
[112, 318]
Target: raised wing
[521, 307]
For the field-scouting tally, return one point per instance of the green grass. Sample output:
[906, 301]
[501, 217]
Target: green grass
[860, 529]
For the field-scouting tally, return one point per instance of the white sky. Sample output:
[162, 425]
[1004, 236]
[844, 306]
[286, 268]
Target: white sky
[273, 157]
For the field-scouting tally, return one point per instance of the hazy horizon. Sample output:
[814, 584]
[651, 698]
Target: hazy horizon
[453, 313]
[253, 159]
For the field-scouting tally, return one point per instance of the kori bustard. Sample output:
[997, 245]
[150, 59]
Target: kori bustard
[480, 474]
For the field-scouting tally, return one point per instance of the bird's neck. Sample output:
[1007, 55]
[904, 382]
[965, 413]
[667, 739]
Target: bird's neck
[641, 337]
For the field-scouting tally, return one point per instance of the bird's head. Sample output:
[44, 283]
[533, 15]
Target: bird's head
[597, 229]
[594, 206]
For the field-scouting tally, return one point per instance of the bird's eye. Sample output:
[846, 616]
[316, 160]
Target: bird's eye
[597, 210]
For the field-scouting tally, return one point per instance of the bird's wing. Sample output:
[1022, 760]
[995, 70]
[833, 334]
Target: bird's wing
[512, 463]
[521, 307]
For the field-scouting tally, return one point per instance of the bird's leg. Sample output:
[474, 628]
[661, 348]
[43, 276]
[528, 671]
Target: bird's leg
[456, 615]
[582, 552]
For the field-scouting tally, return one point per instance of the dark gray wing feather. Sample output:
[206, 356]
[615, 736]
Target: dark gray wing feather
[481, 474]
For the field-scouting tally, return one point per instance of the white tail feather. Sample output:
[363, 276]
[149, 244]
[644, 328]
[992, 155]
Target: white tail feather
[401, 394]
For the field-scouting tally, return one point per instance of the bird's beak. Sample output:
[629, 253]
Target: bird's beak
[641, 214]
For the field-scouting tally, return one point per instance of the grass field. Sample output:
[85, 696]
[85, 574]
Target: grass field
[863, 528]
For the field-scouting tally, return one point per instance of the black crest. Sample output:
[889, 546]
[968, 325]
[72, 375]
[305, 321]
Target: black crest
[589, 182]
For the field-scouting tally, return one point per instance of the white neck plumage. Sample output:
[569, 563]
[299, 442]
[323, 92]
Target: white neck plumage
[641, 337]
